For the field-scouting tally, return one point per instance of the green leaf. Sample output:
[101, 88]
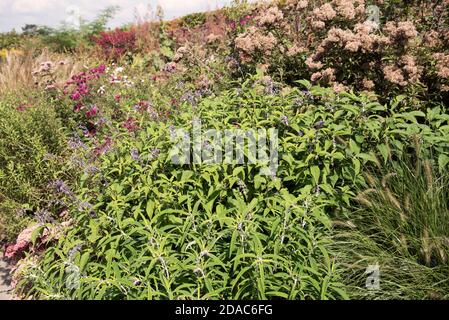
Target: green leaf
[354, 147]
[384, 151]
[83, 261]
[315, 171]
[443, 160]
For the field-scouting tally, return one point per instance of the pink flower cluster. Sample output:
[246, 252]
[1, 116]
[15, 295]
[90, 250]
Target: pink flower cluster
[81, 82]
[269, 17]
[402, 32]
[22, 243]
[405, 72]
[101, 149]
[254, 41]
[442, 64]
[131, 125]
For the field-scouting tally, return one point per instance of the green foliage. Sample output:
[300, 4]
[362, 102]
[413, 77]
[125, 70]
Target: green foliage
[32, 148]
[194, 19]
[149, 229]
[9, 40]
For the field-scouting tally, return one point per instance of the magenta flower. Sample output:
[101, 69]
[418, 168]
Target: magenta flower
[131, 125]
[92, 112]
[75, 96]
[77, 107]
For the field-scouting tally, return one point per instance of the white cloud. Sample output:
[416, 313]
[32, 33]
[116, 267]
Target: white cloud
[33, 6]
[16, 13]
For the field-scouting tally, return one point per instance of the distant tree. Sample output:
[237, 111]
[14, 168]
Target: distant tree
[30, 29]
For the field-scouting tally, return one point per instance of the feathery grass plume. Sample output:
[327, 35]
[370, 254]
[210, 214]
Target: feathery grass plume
[344, 224]
[376, 161]
[426, 249]
[429, 173]
[21, 72]
[363, 199]
[370, 179]
[393, 199]
[403, 242]
[387, 177]
[417, 145]
[441, 252]
[407, 202]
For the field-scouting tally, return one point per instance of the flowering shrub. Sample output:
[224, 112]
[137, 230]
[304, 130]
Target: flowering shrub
[114, 44]
[304, 39]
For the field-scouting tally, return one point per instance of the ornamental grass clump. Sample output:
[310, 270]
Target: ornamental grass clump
[401, 225]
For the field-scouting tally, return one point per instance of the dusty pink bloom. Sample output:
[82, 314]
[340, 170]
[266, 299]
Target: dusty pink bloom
[359, 39]
[394, 75]
[345, 8]
[294, 50]
[203, 82]
[442, 64]
[353, 46]
[318, 24]
[402, 32]
[212, 38]
[432, 39]
[254, 40]
[180, 54]
[302, 4]
[338, 87]
[315, 76]
[325, 77]
[270, 16]
[22, 243]
[411, 69]
[324, 13]
[313, 65]
[367, 84]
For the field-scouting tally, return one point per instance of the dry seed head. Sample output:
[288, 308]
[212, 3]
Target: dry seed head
[393, 199]
[442, 253]
[407, 202]
[417, 145]
[403, 241]
[426, 250]
[370, 179]
[388, 176]
[363, 199]
[429, 174]
[344, 224]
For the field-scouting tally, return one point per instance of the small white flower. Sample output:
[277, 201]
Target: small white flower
[102, 90]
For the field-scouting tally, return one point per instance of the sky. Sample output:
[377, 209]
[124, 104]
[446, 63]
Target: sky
[17, 13]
